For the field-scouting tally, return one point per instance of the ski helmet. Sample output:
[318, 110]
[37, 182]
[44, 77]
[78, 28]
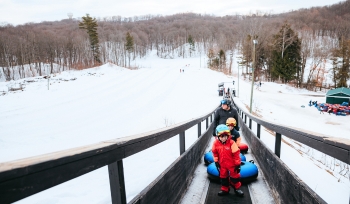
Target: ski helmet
[231, 122]
[226, 101]
[221, 129]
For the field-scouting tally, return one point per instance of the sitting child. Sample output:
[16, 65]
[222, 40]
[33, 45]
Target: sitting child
[231, 123]
[228, 161]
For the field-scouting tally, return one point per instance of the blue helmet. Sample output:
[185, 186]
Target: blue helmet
[226, 101]
[220, 129]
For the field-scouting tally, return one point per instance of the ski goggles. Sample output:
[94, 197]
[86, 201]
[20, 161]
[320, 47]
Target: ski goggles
[231, 124]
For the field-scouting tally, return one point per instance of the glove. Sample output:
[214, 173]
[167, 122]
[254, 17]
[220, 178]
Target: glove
[238, 169]
[217, 166]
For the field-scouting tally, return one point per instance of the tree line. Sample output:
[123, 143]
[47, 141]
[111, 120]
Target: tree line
[285, 41]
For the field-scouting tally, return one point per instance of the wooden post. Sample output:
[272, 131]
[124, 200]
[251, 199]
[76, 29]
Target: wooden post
[199, 129]
[278, 144]
[182, 142]
[245, 119]
[206, 123]
[258, 130]
[250, 123]
[116, 181]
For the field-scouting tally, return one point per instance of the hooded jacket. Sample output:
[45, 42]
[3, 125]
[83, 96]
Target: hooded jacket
[227, 154]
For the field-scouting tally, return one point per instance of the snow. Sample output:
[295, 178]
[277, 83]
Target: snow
[107, 102]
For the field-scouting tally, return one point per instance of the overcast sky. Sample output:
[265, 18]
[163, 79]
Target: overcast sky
[23, 11]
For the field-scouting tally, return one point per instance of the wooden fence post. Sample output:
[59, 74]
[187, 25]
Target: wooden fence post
[182, 142]
[278, 144]
[117, 183]
[199, 129]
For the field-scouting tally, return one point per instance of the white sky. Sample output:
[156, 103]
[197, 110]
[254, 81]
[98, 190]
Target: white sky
[23, 11]
[109, 102]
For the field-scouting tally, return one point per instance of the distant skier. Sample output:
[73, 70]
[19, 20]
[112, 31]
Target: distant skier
[180, 70]
[183, 70]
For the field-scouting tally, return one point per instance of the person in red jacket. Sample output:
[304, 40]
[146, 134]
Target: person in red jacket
[227, 160]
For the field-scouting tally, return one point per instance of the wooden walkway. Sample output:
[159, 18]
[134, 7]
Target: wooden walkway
[214, 188]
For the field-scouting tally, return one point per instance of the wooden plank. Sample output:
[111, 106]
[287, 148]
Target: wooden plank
[338, 148]
[285, 185]
[25, 177]
[20, 187]
[134, 144]
[169, 186]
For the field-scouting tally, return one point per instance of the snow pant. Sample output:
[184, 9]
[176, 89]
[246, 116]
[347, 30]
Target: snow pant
[229, 177]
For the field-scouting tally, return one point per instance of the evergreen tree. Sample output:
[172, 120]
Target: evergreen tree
[90, 25]
[190, 41]
[129, 45]
[341, 63]
[286, 58]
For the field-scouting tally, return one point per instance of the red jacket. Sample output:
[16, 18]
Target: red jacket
[226, 154]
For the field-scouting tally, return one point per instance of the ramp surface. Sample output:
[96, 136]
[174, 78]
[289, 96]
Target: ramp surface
[213, 198]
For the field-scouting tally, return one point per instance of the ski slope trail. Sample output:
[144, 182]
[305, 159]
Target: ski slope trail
[104, 103]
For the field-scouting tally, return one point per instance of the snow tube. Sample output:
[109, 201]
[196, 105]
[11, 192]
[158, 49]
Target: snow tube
[249, 172]
[208, 158]
[341, 113]
[243, 147]
[345, 104]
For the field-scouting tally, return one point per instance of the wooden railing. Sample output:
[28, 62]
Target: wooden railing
[22, 178]
[338, 148]
[285, 184]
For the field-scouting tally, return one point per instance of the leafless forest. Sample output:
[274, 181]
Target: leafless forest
[26, 49]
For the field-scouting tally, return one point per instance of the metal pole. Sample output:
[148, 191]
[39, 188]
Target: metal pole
[251, 91]
[48, 75]
[238, 80]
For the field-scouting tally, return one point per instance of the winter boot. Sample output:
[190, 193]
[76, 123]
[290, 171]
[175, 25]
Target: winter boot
[239, 193]
[223, 193]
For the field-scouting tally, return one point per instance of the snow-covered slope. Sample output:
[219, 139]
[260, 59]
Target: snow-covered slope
[107, 102]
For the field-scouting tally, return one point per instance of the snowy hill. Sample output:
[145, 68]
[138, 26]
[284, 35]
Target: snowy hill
[107, 102]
